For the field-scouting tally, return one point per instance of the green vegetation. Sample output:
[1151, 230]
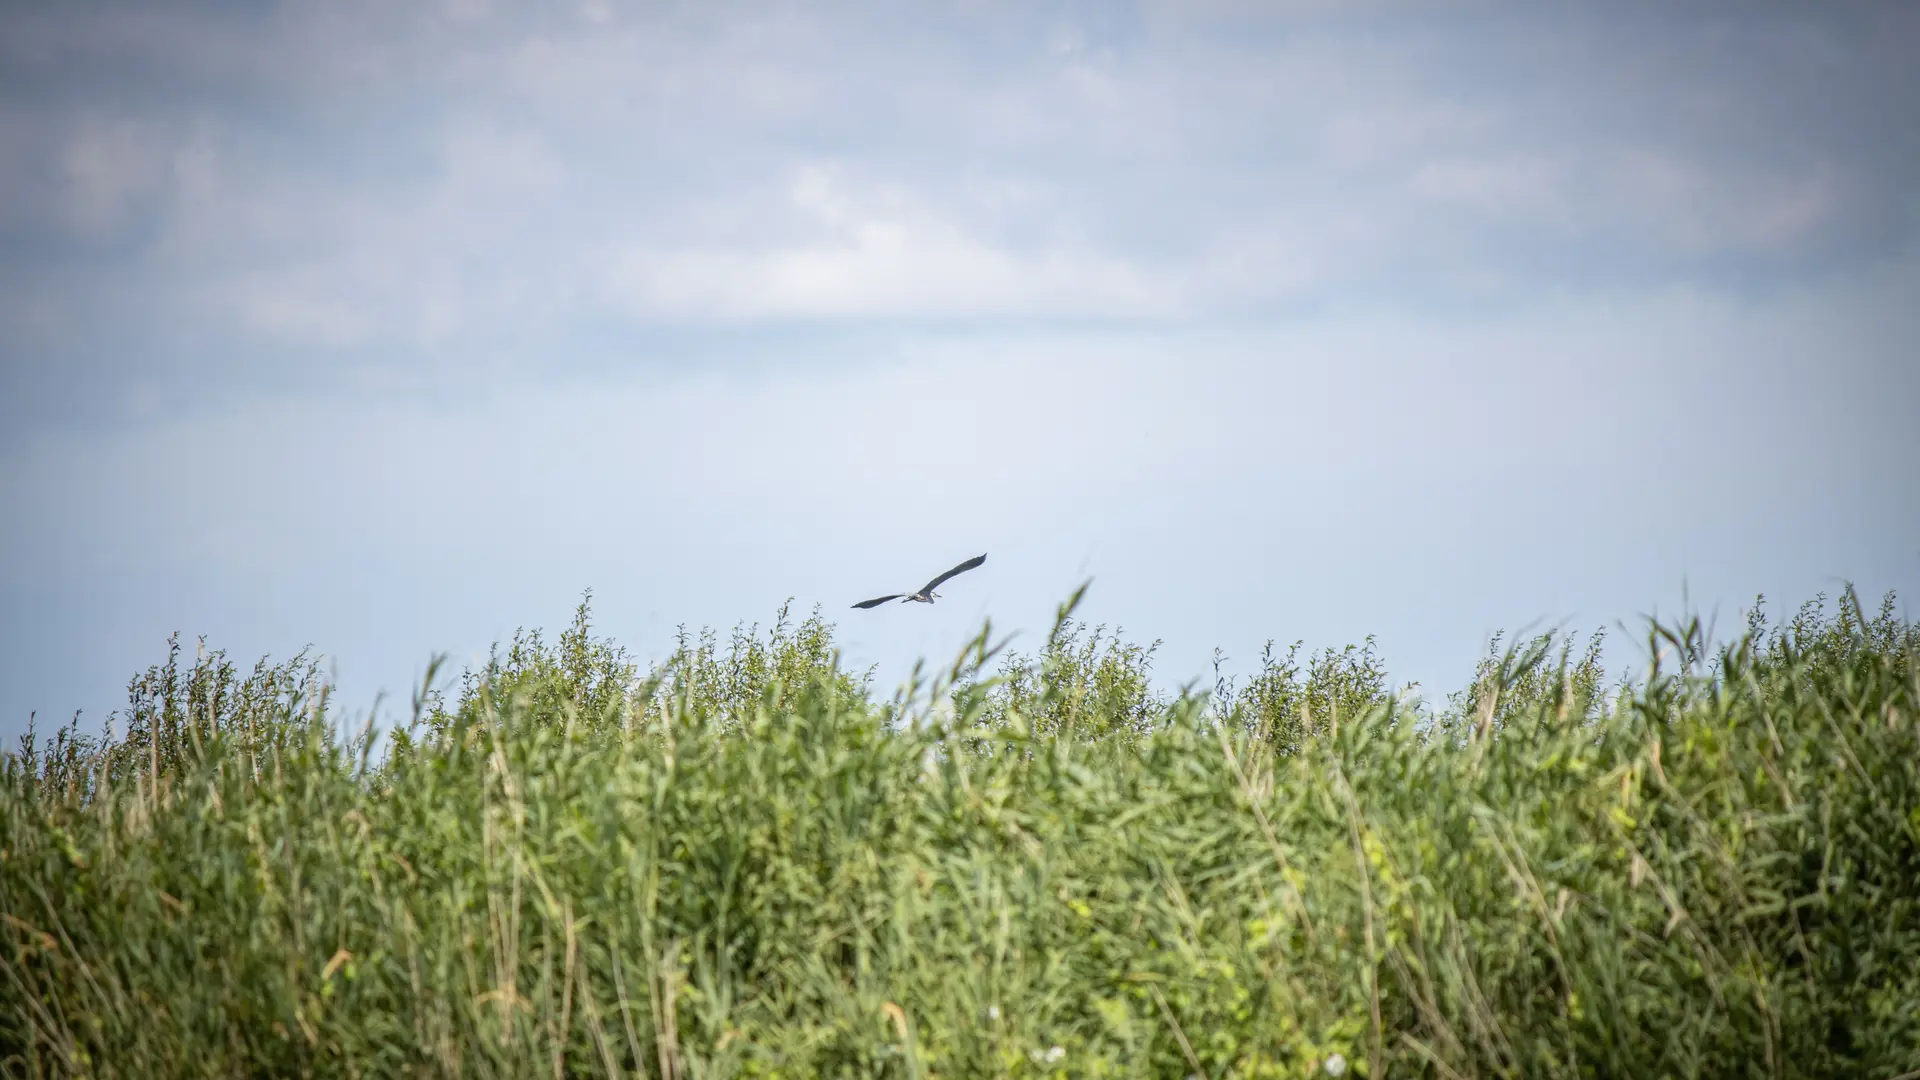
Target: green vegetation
[740, 862]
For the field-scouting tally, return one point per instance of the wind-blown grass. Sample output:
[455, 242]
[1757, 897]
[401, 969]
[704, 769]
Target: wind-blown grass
[738, 863]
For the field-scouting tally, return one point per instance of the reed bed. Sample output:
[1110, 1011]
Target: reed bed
[742, 862]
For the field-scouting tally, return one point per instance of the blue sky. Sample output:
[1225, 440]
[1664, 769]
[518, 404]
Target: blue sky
[385, 329]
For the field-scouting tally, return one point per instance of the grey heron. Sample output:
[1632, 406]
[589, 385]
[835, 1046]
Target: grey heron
[926, 595]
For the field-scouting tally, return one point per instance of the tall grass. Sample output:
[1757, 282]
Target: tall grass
[740, 862]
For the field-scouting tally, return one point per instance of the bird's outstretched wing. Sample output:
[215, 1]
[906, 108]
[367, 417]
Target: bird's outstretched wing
[961, 569]
[878, 600]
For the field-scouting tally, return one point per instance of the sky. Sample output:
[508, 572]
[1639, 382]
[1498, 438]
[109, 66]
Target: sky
[384, 329]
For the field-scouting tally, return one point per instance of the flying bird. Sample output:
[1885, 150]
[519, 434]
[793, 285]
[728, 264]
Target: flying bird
[926, 595]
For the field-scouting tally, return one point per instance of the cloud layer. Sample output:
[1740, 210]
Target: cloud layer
[212, 196]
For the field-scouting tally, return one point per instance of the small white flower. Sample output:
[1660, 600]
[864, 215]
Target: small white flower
[1336, 1064]
[1055, 1054]
[993, 1012]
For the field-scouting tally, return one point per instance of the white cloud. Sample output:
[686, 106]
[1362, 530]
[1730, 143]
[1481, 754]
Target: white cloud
[108, 165]
[485, 157]
[396, 183]
[285, 314]
[1514, 185]
[1663, 202]
[1702, 211]
[882, 252]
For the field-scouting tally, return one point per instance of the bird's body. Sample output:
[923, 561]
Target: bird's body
[925, 594]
